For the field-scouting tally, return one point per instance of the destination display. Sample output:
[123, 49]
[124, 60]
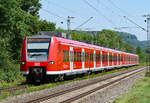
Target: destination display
[38, 40]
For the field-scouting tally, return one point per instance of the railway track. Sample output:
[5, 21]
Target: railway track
[10, 89]
[53, 96]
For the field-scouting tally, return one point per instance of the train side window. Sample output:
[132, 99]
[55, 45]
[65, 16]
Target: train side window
[87, 57]
[97, 57]
[106, 57]
[94, 57]
[74, 56]
[103, 57]
[67, 56]
[78, 56]
[91, 57]
[110, 58]
[114, 58]
[64, 56]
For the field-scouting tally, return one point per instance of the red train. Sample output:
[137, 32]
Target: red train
[49, 56]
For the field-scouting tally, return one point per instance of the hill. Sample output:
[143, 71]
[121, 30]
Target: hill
[128, 37]
[132, 39]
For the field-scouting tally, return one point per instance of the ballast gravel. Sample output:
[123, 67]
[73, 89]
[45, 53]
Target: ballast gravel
[110, 93]
[106, 96]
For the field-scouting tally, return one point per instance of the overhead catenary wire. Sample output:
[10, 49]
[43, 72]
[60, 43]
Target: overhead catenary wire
[64, 8]
[99, 12]
[112, 11]
[54, 14]
[120, 9]
[83, 23]
[135, 23]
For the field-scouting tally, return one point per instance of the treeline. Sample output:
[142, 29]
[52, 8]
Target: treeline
[105, 38]
[20, 18]
[109, 39]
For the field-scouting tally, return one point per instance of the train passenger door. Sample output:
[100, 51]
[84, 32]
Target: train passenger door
[91, 58]
[110, 58]
[119, 56]
[87, 59]
[94, 59]
[98, 58]
[83, 58]
[71, 59]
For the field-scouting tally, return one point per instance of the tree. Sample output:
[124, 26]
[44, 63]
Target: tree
[18, 19]
[141, 53]
[30, 6]
[46, 26]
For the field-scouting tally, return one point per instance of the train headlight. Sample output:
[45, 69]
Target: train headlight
[51, 62]
[23, 63]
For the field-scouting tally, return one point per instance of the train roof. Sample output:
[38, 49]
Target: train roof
[73, 42]
[78, 43]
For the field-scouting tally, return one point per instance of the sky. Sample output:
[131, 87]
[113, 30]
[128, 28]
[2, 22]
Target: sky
[107, 14]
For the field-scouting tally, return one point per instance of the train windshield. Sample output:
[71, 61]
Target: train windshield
[37, 49]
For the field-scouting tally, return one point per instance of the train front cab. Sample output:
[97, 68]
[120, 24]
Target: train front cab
[37, 58]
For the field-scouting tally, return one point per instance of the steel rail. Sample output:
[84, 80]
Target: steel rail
[10, 89]
[96, 89]
[46, 97]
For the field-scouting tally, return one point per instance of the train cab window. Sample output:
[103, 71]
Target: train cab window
[37, 49]
[64, 56]
[74, 56]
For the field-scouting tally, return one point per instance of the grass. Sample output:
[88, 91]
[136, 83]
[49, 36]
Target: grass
[140, 93]
[32, 88]
[15, 83]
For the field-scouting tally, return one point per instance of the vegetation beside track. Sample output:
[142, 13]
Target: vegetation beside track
[140, 93]
[32, 88]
